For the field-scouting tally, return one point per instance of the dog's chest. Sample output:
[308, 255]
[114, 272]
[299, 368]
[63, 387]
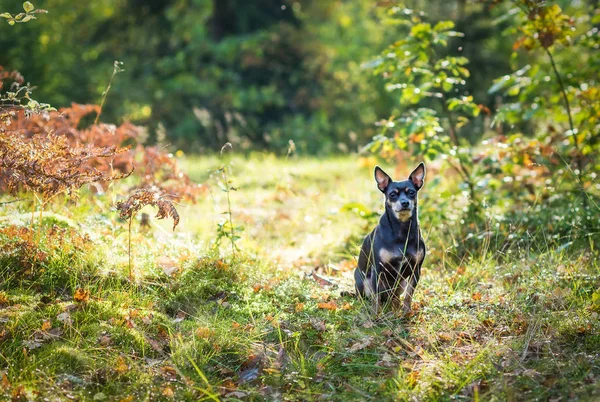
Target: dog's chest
[397, 255]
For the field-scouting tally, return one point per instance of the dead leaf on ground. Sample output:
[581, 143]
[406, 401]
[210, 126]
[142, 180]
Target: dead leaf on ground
[81, 295]
[318, 325]
[413, 378]
[147, 319]
[327, 306]
[65, 318]
[46, 325]
[365, 342]
[321, 281]
[168, 265]
[5, 382]
[386, 361]
[204, 332]
[121, 366]
[248, 375]
[168, 392]
[154, 344]
[169, 373]
[236, 394]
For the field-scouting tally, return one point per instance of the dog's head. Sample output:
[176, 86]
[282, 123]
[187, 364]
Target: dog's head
[401, 196]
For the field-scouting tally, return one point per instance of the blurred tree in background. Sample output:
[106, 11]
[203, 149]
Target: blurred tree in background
[256, 73]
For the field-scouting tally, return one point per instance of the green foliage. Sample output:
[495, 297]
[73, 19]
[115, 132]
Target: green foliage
[29, 14]
[541, 157]
[417, 67]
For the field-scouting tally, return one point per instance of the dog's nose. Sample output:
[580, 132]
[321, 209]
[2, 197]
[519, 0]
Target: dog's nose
[405, 204]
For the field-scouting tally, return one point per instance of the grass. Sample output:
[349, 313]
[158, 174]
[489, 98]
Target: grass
[200, 324]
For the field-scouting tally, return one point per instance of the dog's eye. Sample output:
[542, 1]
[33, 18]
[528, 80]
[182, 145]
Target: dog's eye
[411, 192]
[393, 195]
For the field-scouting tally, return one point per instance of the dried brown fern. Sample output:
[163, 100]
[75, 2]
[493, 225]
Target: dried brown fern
[155, 167]
[139, 199]
[153, 196]
[48, 165]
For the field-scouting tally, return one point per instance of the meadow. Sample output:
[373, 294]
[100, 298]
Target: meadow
[262, 313]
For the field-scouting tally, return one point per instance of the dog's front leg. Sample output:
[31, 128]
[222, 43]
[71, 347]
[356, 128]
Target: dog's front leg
[410, 289]
[397, 296]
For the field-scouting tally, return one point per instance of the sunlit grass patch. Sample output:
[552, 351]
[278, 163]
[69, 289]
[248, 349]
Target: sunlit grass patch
[271, 323]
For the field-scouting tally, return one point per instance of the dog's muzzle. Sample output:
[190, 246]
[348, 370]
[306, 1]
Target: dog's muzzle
[404, 214]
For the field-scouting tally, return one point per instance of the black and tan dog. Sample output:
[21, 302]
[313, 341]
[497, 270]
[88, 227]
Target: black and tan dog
[392, 254]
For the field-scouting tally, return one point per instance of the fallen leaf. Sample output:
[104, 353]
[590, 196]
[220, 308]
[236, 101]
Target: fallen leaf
[249, 374]
[53, 333]
[5, 382]
[121, 366]
[327, 306]
[476, 296]
[127, 399]
[154, 344]
[65, 318]
[46, 325]
[168, 392]
[318, 325]
[361, 344]
[18, 393]
[105, 340]
[169, 373]
[205, 333]
[386, 361]
[33, 344]
[299, 307]
[168, 265]
[81, 295]
[281, 359]
[321, 280]
[236, 394]
[413, 378]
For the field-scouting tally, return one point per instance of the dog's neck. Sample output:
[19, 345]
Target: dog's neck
[400, 229]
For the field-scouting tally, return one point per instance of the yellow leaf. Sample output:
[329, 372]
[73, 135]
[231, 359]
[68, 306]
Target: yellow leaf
[81, 295]
[413, 378]
[5, 382]
[168, 392]
[46, 325]
[327, 306]
[204, 332]
[122, 366]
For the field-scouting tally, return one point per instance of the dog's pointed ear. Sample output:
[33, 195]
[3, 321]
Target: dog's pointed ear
[382, 179]
[418, 176]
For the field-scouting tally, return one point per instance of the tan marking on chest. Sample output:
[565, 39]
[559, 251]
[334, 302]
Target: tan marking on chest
[386, 256]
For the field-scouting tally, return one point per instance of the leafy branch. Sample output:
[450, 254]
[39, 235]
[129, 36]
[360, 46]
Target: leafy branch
[29, 14]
